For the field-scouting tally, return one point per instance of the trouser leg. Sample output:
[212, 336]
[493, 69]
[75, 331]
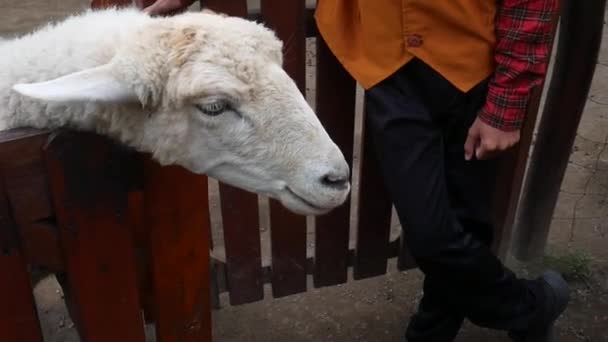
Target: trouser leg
[469, 186]
[432, 320]
[407, 117]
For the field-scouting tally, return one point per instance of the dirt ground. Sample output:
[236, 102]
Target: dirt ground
[378, 309]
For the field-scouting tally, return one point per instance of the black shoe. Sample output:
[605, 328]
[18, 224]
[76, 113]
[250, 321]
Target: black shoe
[557, 298]
[437, 326]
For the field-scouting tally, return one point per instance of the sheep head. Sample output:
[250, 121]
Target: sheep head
[208, 92]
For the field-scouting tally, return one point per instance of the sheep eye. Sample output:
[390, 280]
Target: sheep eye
[214, 108]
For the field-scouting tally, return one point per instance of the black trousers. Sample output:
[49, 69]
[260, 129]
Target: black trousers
[419, 122]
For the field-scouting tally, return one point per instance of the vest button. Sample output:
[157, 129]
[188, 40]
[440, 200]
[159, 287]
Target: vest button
[414, 40]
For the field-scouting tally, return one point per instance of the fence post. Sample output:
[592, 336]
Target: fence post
[176, 217]
[90, 178]
[18, 316]
[575, 62]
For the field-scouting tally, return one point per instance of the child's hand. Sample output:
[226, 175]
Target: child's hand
[163, 7]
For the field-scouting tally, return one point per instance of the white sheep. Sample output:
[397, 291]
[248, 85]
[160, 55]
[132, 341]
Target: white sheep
[201, 90]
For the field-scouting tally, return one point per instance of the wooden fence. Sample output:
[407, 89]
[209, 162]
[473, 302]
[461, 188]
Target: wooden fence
[126, 236]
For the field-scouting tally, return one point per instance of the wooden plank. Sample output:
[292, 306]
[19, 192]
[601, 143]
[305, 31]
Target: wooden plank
[28, 190]
[25, 176]
[21, 147]
[18, 318]
[336, 109]
[288, 19]
[18, 315]
[29, 195]
[374, 217]
[142, 256]
[288, 230]
[176, 215]
[24, 173]
[15, 134]
[41, 245]
[230, 7]
[242, 245]
[288, 244]
[90, 179]
[240, 215]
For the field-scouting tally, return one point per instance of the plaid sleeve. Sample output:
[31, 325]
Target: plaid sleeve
[524, 35]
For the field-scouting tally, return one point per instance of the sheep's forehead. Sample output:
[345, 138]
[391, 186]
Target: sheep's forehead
[241, 38]
[249, 51]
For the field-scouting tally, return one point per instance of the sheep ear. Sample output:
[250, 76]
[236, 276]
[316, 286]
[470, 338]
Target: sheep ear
[91, 85]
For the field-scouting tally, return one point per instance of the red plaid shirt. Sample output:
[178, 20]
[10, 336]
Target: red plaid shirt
[524, 35]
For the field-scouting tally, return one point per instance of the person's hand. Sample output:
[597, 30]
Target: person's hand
[165, 7]
[485, 141]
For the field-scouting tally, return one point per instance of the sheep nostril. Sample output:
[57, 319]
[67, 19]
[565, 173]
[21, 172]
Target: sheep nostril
[335, 181]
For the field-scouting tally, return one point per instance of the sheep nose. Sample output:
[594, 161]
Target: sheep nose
[335, 175]
[336, 180]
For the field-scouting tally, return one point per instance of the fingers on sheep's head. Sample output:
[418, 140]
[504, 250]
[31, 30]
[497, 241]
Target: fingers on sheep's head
[226, 108]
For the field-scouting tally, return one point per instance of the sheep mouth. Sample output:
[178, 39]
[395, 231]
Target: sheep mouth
[306, 202]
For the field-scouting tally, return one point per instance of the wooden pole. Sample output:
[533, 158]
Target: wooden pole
[580, 36]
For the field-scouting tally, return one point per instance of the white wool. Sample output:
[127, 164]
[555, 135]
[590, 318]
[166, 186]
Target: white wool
[148, 82]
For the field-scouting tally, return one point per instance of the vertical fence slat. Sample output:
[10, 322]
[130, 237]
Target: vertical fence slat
[288, 230]
[240, 215]
[288, 19]
[335, 104]
[374, 217]
[90, 180]
[176, 216]
[242, 245]
[142, 257]
[18, 316]
[27, 190]
[230, 7]
[288, 245]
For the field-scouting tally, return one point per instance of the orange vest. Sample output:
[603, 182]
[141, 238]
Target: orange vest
[374, 38]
